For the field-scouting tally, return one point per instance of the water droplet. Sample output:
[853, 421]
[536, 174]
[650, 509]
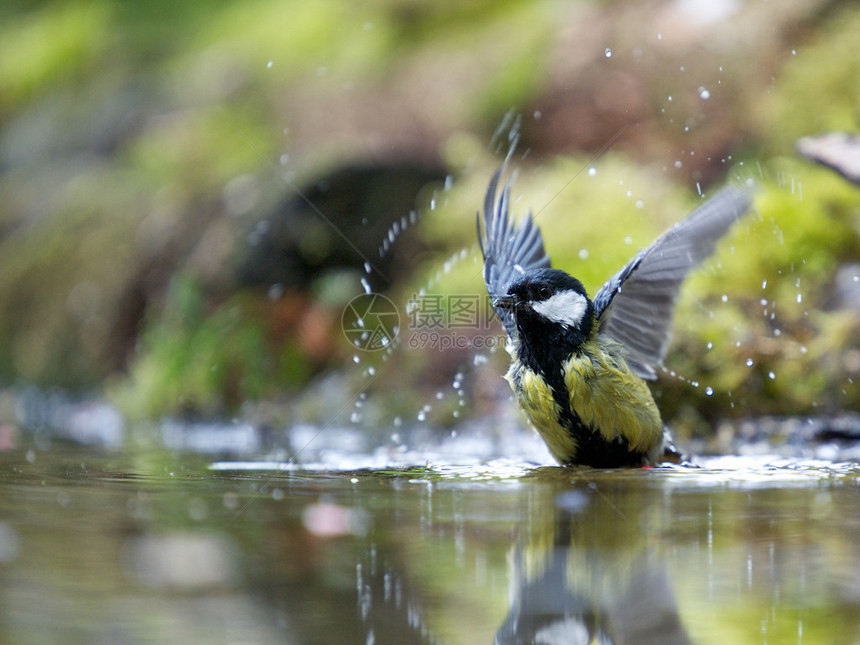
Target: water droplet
[592, 171]
[659, 36]
[371, 371]
[368, 267]
[763, 302]
[704, 94]
[284, 159]
[269, 64]
[608, 53]
[709, 391]
[771, 375]
[639, 204]
[433, 204]
[710, 345]
[538, 115]
[678, 163]
[583, 254]
[724, 298]
[366, 285]
[799, 298]
[356, 359]
[750, 362]
[764, 284]
[628, 240]
[422, 415]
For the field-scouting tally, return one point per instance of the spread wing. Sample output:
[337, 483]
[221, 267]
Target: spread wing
[508, 251]
[635, 306]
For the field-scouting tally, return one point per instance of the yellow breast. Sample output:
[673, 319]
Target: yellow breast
[535, 398]
[610, 398]
[606, 395]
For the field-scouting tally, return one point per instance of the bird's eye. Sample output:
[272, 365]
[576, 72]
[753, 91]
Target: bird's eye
[543, 292]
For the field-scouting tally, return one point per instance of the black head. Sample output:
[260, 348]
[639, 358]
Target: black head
[550, 307]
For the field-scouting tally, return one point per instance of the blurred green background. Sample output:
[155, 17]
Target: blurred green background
[190, 192]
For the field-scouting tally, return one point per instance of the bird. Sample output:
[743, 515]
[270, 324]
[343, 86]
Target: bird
[579, 365]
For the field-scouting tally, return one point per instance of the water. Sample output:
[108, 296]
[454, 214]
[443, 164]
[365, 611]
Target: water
[132, 546]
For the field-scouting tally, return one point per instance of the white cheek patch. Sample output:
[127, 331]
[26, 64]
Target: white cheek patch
[565, 307]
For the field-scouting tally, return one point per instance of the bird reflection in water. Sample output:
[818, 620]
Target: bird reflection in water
[572, 583]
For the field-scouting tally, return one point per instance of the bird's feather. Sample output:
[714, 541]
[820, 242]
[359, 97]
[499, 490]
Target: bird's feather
[508, 250]
[635, 306]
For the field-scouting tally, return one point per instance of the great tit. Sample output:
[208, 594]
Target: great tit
[579, 365]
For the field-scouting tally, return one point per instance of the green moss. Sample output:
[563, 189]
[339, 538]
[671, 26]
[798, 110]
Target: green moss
[521, 32]
[56, 45]
[63, 279]
[202, 149]
[204, 360]
[817, 89]
[299, 38]
[756, 324]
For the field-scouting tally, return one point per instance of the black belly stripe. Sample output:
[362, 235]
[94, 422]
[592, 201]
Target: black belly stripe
[592, 449]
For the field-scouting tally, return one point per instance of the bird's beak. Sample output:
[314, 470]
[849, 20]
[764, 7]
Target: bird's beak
[505, 302]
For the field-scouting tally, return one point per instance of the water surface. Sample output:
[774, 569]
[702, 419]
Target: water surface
[111, 547]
